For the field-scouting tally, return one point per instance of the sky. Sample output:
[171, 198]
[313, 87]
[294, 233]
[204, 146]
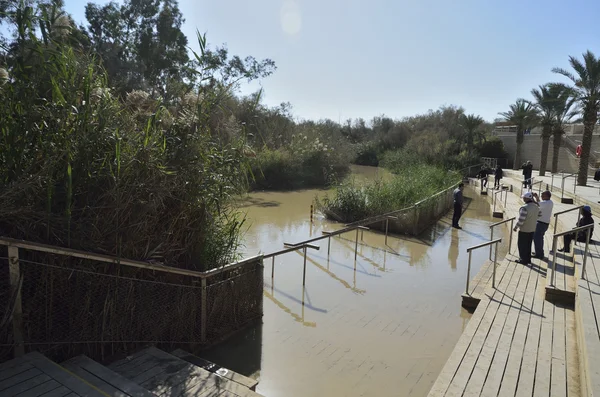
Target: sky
[343, 59]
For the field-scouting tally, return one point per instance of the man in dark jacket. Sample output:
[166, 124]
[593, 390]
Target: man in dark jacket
[497, 176]
[483, 176]
[458, 205]
[527, 170]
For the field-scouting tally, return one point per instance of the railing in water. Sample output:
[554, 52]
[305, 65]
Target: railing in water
[493, 225]
[585, 254]
[471, 249]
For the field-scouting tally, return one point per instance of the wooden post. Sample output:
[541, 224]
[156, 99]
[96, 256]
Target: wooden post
[203, 312]
[15, 287]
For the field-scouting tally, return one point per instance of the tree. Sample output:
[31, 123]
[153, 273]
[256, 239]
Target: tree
[563, 113]
[523, 114]
[585, 89]
[471, 124]
[544, 104]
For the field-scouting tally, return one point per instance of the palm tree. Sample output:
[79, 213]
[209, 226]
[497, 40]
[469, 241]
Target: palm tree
[471, 123]
[544, 104]
[563, 113]
[586, 91]
[522, 114]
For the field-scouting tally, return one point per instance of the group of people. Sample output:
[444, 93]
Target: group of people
[534, 220]
[483, 176]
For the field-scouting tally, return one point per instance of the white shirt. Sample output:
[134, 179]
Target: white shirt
[545, 211]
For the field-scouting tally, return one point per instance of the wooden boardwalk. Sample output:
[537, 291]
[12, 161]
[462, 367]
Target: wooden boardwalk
[518, 343]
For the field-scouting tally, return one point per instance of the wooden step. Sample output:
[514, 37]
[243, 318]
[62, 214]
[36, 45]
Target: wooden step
[216, 369]
[164, 374]
[35, 375]
[104, 379]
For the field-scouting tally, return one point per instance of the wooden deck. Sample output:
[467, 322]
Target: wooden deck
[518, 343]
[33, 375]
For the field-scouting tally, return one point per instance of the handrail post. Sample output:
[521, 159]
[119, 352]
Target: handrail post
[356, 245]
[553, 260]
[328, 245]
[512, 222]
[505, 197]
[273, 266]
[585, 254]
[562, 188]
[494, 270]
[491, 238]
[15, 287]
[468, 273]
[304, 271]
[203, 312]
[555, 223]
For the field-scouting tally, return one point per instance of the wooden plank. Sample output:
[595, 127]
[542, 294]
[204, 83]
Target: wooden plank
[41, 389]
[25, 385]
[511, 345]
[573, 375]
[216, 369]
[103, 378]
[63, 377]
[59, 392]
[544, 357]
[449, 370]
[503, 326]
[558, 383]
[468, 363]
[137, 367]
[19, 367]
[20, 377]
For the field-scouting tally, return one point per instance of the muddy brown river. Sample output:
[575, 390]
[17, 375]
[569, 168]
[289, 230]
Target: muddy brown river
[383, 325]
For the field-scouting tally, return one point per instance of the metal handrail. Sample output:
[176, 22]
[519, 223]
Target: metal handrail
[495, 199]
[9, 242]
[470, 251]
[540, 189]
[512, 222]
[585, 254]
[562, 186]
[285, 251]
[564, 212]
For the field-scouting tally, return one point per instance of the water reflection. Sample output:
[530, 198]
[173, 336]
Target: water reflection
[383, 324]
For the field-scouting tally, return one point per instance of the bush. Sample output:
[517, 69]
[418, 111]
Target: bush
[352, 201]
[304, 163]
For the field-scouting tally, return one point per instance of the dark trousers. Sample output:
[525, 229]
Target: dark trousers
[524, 244]
[567, 238]
[497, 182]
[457, 214]
[538, 237]
[527, 182]
[484, 182]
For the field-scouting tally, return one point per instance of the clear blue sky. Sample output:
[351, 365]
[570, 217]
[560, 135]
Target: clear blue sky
[350, 58]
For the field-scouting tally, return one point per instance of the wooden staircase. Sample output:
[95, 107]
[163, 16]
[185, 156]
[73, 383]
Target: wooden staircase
[147, 373]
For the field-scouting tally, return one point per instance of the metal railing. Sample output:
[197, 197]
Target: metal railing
[493, 225]
[585, 254]
[291, 249]
[494, 199]
[529, 182]
[562, 185]
[564, 212]
[470, 251]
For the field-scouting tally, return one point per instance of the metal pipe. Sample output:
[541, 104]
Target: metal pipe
[491, 238]
[552, 181]
[512, 222]
[494, 270]
[553, 260]
[361, 235]
[328, 245]
[562, 188]
[505, 197]
[468, 274]
[356, 246]
[272, 267]
[304, 271]
[585, 254]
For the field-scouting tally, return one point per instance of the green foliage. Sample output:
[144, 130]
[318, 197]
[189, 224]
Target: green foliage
[493, 147]
[352, 201]
[80, 168]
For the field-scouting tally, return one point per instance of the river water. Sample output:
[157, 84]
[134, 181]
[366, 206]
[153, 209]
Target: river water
[382, 325]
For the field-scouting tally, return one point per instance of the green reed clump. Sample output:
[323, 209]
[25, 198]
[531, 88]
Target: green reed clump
[122, 176]
[352, 201]
[302, 163]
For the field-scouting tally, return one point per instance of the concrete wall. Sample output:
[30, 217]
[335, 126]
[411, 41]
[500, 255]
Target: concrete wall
[532, 150]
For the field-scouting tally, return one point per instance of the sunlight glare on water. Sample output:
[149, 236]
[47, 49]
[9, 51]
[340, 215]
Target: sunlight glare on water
[383, 326]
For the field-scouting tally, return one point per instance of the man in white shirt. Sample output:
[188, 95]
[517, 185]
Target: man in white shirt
[546, 206]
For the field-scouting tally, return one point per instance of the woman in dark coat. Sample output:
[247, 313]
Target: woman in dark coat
[586, 219]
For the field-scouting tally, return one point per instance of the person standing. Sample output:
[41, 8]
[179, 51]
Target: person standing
[527, 171]
[483, 176]
[458, 205]
[497, 176]
[586, 219]
[528, 215]
[546, 206]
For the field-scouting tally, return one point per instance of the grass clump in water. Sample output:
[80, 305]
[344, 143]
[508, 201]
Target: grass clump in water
[352, 201]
